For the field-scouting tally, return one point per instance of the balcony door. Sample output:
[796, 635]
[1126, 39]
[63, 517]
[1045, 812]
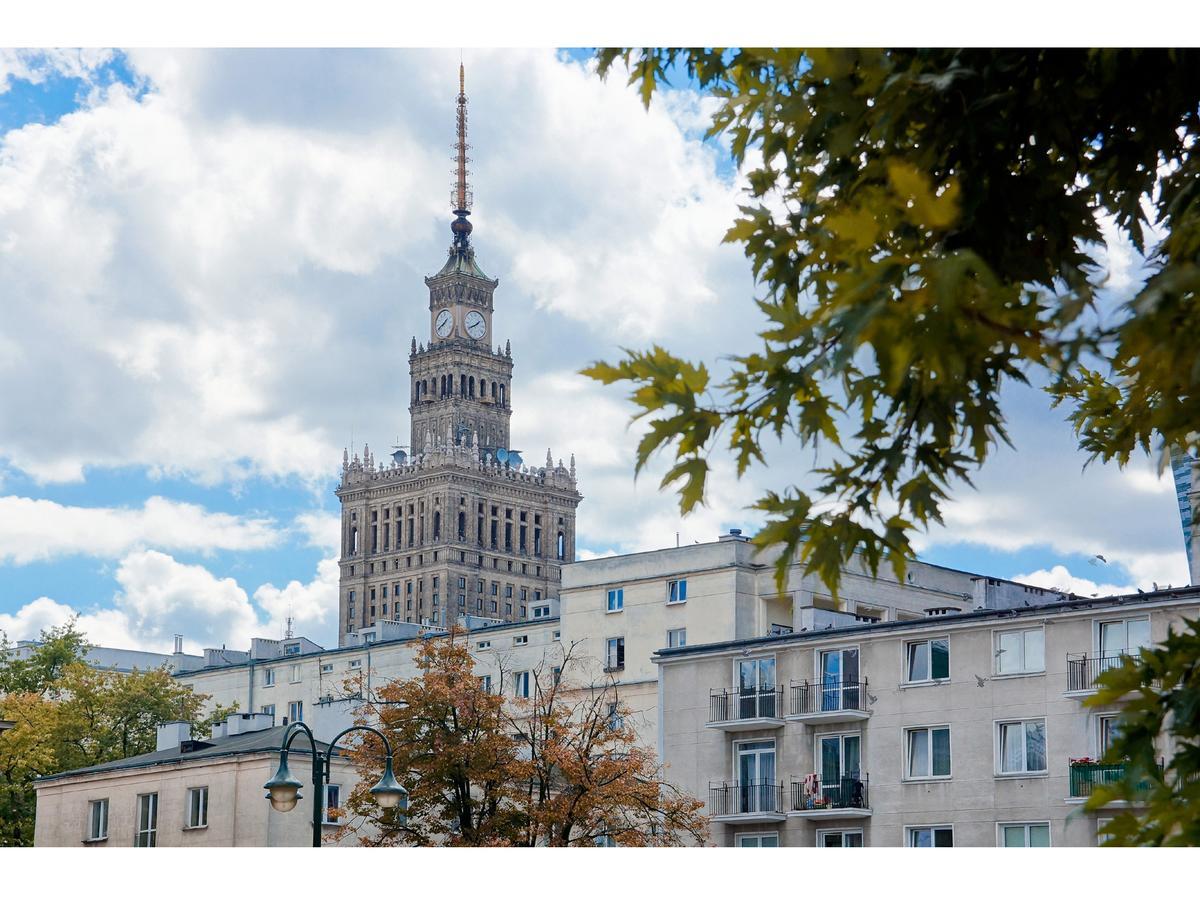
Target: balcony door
[840, 756]
[1124, 636]
[839, 679]
[756, 776]
[756, 688]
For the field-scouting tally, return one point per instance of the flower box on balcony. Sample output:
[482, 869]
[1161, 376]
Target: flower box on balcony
[1084, 761]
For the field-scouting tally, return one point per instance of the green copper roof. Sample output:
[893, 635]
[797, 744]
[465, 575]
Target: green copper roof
[462, 263]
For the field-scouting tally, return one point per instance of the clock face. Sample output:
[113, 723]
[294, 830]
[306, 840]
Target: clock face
[476, 325]
[444, 323]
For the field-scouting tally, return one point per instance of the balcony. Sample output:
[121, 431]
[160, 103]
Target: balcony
[848, 799]
[740, 709]
[1084, 668]
[829, 701]
[755, 801]
[1086, 775]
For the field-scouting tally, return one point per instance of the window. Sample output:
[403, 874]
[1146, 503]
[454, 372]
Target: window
[520, 640]
[840, 687]
[483, 645]
[838, 757]
[557, 635]
[927, 752]
[147, 821]
[1020, 652]
[485, 683]
[98, 820]
[616, 599]
[295, 673]
[840, 838]
[615, 719]
[197, 807]
[677, 591]
[268, 678]
[269, 710]
[1024, 834]
[291, 649]
[326, 667]
[677, 637]
[1123, 636]
[927, 660]
[541, 612]
[614, 655]
[756, 688]
[333, 800]
[356, 663]
[763, 839]
[521, 684]
[930, 836]
[1021, 747]
[1109, 727]
[754, 771]
[296, 711]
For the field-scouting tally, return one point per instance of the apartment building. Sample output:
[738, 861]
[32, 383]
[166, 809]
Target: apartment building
[189, 793]
[961, 728]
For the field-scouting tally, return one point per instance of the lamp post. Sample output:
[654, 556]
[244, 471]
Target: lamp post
[283, 790]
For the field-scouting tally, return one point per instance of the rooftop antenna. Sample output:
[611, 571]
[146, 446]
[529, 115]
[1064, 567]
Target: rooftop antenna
[461, 198]
[287, 634]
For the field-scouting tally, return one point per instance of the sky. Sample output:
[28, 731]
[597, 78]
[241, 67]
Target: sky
[211, 270]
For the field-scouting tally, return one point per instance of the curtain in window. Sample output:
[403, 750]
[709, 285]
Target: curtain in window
[918, 753]
[1035, 746]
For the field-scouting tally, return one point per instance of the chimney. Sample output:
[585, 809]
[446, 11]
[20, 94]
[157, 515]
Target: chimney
[244, 723]
[171, 734]
[179, 643]
[735, 534]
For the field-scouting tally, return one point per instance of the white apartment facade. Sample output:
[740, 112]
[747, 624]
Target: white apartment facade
[190, 793]
[958, 729]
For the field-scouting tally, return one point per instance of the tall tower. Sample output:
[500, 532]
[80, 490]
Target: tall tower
[459, 524]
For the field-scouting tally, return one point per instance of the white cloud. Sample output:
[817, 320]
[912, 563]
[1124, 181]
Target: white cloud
[35, 530]
[160, 597]
[35, 66]
[1060, 579]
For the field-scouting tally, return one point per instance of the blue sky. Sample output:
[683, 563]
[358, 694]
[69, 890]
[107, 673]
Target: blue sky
[212, 270]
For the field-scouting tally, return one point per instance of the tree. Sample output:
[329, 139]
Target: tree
[451, 753]
[924, 226]
[1160, 694]
[67, 715]
[560, 768]
[588, 780]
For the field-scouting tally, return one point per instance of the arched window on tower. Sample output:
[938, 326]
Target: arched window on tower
[462, 526]
[562, 546]
[462, 385]
[471, 386]
[502, 395]
[437, 525]
[493, 391]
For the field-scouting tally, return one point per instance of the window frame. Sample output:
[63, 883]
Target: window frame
[1024, 672]
[1000, 826]
[295, 676]
[998, 726]
[614, 652]
[822, 832]
[521, 680]
[149, 834]
[758, 836]
[678, 587]
[617, 594]
[325, 820]
[520, 640]
[268, 677]
[297, 704]
[200, 791]
[906, 756]
[92, 837]
[940, 826]
[677, 631]
[906, 681]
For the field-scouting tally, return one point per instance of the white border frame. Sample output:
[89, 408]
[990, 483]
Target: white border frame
[904, 682]
[908, 829]
[821, 735]
[1000, 826]
[918, 779]
[737, 837]
[996, 723]
[757, 740]
[821, 832]
[996, 632]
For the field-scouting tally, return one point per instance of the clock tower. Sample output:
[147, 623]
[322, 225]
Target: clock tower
[459, 524]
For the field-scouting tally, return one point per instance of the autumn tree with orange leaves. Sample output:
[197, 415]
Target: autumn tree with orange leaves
[561, 768]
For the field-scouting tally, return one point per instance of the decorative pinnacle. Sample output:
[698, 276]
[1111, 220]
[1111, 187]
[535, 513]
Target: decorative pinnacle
[461, 198]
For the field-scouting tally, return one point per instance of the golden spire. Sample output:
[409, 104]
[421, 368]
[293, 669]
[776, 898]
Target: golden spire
[460, 197]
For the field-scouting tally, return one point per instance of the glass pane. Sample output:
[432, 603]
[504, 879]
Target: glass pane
[768, 840]
[920, 837]
[918, 752]
[1010, 748]
[943, 837]
[766, 766]
[1139, 633]
[1109, 729]
[144, 813]
[748, 840]
[766, 674]
[830, 760]
[831, 840]
[918, 662]
[1008, 657]
[850, 755]
[1035, 651]
[1014, 835]
[747, 672]
[1112, 638]
[852, 839]
[941, 751]
[1035, 746]
[850, 665]
[1039, 835]
[940, 665]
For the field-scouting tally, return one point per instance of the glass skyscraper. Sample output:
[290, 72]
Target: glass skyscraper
[1181, 468]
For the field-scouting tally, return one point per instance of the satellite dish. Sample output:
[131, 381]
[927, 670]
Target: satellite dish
[399, 456]
[502, 454]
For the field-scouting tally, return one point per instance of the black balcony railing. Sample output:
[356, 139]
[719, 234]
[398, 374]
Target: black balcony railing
[849, 792]
[827, 696]
[747, 798]
[735, 704]
[1087, 775]
[1084, 668]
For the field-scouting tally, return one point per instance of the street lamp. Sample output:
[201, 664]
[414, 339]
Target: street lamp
[283, 790]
